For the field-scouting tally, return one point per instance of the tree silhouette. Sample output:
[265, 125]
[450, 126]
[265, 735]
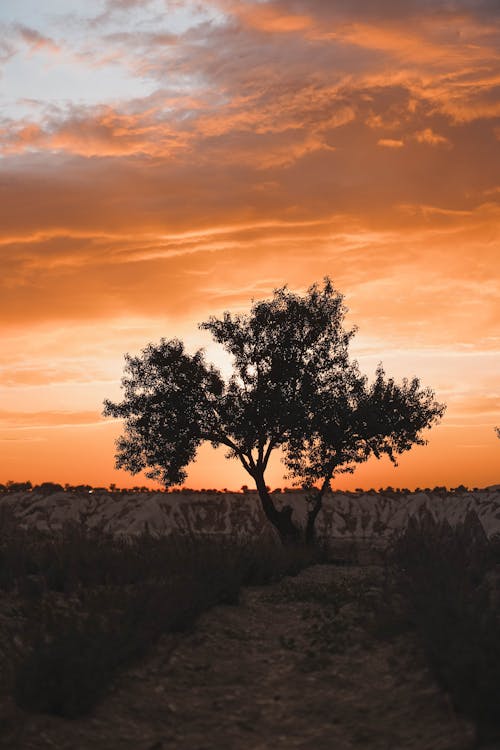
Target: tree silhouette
[352, 421]
[293, 388]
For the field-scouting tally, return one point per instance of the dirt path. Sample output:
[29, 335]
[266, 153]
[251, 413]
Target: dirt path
[293, 666]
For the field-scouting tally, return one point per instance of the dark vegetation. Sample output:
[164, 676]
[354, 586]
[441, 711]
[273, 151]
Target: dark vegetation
[85, 605]
[11, 487]
[294, 388]
[445, 583]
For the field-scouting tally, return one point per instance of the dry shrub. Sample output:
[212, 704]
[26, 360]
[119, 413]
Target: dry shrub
[448, 579]
[99, 603]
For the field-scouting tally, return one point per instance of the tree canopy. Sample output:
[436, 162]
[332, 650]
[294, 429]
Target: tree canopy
[293, 387]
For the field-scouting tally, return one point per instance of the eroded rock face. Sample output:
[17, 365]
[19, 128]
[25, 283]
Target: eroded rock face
[348, 516]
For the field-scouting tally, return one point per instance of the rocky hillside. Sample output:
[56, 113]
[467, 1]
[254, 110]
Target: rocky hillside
[348, 516]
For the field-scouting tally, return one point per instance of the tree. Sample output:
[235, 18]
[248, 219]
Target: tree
[353, 421]
[18, 486]
[293, 388]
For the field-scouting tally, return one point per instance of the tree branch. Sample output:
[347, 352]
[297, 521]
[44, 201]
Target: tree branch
[267, 454]
[246, 465]
[246, 460]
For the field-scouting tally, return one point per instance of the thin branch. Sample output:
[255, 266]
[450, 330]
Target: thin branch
[244, 462]
[269, 450]
[260, 452]
[251, 460]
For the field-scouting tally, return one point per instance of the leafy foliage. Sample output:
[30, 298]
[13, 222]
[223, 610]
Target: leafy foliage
[278, 351]
[169, 407]
[293, 388]
[353, 420]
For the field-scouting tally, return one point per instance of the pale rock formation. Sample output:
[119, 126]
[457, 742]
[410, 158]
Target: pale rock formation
[345, 516]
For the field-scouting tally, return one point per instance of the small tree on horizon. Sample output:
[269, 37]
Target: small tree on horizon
[293, 388]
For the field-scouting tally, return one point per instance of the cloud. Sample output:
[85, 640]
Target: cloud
[35, 40]
[7, 50]
[474, 404]
[296, 71]
[390, 142]
[112, 8]
[19, 420]
[43, 373]
[430, 138]
[101, 131]
[125, 4]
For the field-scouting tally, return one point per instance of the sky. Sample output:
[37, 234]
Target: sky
[165, 160]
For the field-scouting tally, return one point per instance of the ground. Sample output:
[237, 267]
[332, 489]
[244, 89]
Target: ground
[298, 664]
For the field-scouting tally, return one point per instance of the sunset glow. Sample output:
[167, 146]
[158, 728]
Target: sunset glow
[165, 160]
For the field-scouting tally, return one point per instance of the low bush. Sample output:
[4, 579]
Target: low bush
[448, 580]
[94, 604]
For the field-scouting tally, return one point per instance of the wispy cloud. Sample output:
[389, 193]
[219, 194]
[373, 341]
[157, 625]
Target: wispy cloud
[19, 420]
[35, 40]
[390, 142]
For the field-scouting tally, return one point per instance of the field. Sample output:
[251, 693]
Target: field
[118, 632]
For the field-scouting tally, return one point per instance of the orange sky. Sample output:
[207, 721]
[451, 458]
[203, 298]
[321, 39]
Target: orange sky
[163, 161]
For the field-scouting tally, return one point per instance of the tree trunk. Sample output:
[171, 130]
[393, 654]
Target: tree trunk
[288, 531]
[312, 514]
[317, 503]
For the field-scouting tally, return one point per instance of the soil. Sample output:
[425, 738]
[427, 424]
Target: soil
[298, 664]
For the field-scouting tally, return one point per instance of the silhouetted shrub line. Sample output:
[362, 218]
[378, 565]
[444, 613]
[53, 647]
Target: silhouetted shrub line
[93, 604]
[445, 582]
[10, 488]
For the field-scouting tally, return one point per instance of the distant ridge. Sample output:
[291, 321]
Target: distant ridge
[349, 516]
